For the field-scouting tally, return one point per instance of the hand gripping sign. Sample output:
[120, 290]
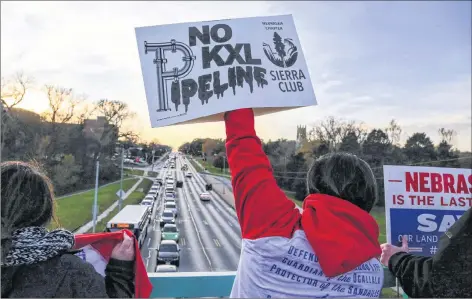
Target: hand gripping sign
[162, 74]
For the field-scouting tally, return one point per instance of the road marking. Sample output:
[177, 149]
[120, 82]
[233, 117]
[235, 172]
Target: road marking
[197, 209]
[149, 241]
[229, 223]
[182, 241]
[204, 222]
[217, 243]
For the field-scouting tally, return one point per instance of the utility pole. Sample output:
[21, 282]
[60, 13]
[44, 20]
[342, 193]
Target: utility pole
[153, 152]
[121, 180]
[95, 201]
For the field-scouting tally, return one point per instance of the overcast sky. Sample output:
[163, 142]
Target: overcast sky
[369, 61]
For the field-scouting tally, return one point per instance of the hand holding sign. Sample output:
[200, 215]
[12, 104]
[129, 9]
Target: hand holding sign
[388, 250]
[124, 251]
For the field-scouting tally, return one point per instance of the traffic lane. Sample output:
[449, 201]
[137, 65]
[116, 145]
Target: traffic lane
[149, 249]
[217, 257]
[192, 255]
[223, 246]
[227, 237]
[221, 206]
[225, 216]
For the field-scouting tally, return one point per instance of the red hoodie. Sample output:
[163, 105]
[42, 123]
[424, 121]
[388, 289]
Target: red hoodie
[289, 254]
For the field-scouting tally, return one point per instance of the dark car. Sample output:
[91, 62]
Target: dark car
[169, 252]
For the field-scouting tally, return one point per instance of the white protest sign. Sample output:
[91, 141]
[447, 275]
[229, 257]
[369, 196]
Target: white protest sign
[194, 72]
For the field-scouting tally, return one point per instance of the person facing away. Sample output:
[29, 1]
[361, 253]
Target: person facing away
[328, 250]
[446, 274]
[40, 263]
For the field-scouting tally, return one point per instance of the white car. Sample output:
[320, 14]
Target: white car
[153, 193]
[150, 197]
[188, 174]
[170, 195]
[172, 207]
[167, 217]
[205, 196]
[166, 268]
[147, 202]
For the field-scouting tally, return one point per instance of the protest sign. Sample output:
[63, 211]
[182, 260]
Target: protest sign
[194, 72]
[423, 202]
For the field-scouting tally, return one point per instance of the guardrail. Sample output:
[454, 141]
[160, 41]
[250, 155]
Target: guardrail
[206, 284]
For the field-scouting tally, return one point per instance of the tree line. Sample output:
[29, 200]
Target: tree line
[68, 138]
[291, 159]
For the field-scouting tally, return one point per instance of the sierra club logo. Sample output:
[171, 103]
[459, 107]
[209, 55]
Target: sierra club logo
[285, 54]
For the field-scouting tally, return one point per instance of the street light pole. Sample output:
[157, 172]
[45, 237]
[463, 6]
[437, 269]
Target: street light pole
[95, 201]
[121, 179]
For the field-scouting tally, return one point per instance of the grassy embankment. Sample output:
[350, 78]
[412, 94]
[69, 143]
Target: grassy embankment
[75, 210]
[134, 198]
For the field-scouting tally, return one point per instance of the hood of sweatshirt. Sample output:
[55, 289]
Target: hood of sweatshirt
[342, 235]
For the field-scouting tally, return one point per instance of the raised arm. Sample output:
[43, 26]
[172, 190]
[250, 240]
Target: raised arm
[263, 209]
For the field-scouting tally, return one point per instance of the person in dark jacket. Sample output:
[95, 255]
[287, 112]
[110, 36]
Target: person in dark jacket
[447, 274]
[39, 263]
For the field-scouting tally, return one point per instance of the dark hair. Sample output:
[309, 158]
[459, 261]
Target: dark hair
[27, 199]
[345, 176]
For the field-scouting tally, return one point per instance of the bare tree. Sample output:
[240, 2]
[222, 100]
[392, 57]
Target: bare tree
[62, 107]
[446, 135]
[62, 103]
[394, 132]
[14, 89]
[115, 112]
[332, 131]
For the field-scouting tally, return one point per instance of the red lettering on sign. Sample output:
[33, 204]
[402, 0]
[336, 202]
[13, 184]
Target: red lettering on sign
[437, 183]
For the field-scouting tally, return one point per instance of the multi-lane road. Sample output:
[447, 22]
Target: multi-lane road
[210, 237]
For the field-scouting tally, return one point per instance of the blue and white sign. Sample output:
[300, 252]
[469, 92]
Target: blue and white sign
[423, 203]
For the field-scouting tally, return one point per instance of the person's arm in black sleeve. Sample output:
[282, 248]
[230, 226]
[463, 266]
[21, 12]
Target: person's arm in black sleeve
[119, 279]
[414, 274]
[82, 281]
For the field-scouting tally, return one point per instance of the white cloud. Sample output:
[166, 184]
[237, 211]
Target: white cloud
[91, 47]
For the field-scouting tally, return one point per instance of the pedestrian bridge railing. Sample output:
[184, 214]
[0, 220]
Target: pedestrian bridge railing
[205, 284]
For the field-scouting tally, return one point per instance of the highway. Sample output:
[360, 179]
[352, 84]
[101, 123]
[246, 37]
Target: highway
[210, 237]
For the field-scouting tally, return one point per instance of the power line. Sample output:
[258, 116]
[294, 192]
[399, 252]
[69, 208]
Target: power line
[411, 164]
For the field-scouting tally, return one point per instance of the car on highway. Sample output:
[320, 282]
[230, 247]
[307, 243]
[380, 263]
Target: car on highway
[158, 181]
[151, 197]
[167, 217]
[147, 202]
[205, 196]
[166, 268]
[171, 200]
[172, 207]
[154, 187]
[170, 194]
[154, 193]
[170, 232]
[168, 252]
[188, 174]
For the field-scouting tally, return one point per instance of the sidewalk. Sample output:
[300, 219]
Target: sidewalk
[89, 225]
